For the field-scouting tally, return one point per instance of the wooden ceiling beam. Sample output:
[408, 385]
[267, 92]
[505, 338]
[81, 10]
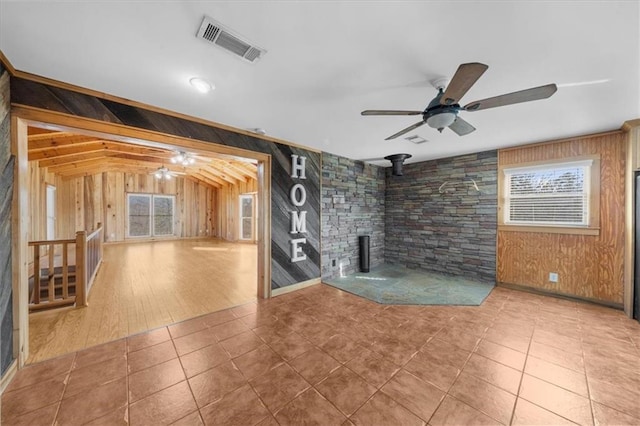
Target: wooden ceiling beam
[250, 174]
[94, 162]
[221, 174]
[223, 166]
[106, 146]
[206, 180]
[71, 159]
[45, 140]
[64, 151]
[68, 154]
[213, 177]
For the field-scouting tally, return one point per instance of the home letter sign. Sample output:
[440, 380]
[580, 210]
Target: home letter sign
[298, 196]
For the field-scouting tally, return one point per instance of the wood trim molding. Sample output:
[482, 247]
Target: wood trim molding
[102, 95]
[295, 287]
[568, 139]
[550, 229]
[20, 236]
[631, 124]
[633, 139]
[7, 64]
[559, 295]
[8, 376]
[123, 133]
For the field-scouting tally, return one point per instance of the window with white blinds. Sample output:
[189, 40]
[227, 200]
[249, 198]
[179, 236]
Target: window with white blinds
[549, 195]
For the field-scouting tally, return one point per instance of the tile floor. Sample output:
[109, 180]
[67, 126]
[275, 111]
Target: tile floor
[322, 356]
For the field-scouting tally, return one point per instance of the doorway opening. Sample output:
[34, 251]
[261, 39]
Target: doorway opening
[180, 237]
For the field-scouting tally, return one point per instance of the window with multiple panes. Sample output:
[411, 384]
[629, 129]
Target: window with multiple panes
[557, 194]
[150, 215]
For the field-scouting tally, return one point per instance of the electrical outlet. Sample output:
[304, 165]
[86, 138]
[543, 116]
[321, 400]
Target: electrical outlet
[553, 277]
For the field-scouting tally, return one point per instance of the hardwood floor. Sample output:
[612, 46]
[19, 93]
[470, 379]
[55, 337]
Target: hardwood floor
[141, 286]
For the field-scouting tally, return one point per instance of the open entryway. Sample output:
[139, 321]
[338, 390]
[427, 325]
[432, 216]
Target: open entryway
[176, 230]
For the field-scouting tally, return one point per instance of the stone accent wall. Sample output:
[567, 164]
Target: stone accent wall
[452, 232]
[353, 204]
[6, 197]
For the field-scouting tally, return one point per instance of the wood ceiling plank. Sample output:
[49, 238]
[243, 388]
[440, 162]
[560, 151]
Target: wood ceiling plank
[69, 150]
[206, 173]
[206, 180]
[247, 172]
[69, 155]
[70, 159]
[223, 166]
[45, 141]
[221, 174]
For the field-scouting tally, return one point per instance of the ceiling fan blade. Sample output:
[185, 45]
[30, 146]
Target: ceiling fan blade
[389, 112]
[532, 94]
[408, 129]
[461, 127]
[466, 75]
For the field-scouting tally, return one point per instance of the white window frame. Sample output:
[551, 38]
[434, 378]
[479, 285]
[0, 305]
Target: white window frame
[253, 225]
[152, 231]
[172, 198]
[590, 191]
[50, 206]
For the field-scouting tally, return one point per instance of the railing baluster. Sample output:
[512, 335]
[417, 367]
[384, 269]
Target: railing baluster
[81, 275]
[36, 274]
[65, 271]
[52, 273]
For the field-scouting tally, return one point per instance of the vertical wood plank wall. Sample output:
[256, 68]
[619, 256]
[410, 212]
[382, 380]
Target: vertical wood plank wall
[228, 220]
[588, 266]
[81, 203]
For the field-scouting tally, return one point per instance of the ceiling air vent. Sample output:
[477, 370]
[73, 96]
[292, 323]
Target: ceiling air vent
[214, 32]
[416, 139]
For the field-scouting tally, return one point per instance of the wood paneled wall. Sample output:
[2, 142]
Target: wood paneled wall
[588, 266]
[228, 219]
[83, 202]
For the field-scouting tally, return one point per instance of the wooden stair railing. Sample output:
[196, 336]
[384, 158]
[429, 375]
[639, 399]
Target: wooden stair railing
[54, 278]
[65, 283]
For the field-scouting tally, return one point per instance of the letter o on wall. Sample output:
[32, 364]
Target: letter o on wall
[293, 195]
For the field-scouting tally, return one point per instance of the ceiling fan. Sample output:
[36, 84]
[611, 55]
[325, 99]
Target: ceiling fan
[164, 173]
[185, 158]
[443, 110]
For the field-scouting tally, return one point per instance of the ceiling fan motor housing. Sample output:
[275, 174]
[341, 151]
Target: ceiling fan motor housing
[435, 108]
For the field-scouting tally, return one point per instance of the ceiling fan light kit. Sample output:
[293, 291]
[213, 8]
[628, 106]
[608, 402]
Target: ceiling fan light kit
[442, 120]
[183, 158]
[443, 110]
[164, 173]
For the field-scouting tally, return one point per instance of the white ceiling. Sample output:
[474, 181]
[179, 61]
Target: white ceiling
[329, 60]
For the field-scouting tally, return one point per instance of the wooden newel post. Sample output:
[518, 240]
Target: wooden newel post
[81, 273]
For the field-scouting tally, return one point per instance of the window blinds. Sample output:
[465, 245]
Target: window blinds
[555, 194]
